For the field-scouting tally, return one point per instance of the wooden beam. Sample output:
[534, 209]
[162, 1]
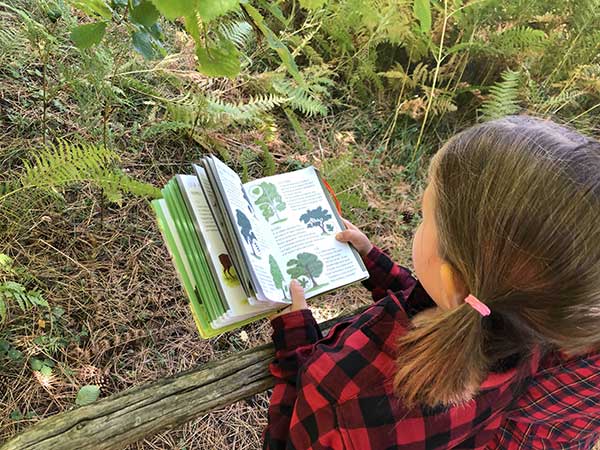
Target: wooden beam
[134, 414]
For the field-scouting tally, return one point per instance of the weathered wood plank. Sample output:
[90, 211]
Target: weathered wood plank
[118, 420]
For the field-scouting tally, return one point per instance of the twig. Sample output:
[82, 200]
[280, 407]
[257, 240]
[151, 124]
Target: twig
[65, 255]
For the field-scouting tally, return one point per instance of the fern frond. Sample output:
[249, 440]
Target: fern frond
[503, 99]
[517, 40]
[420, 76]
[63, 164]
[557, 102]
[237, 31]
[300, 98]
[588, 76]
[212, 111]
[57, 165]
[115, 183]
[139, 86]
[442, 102]
[25, 299]
[242, 112]
[12, 43]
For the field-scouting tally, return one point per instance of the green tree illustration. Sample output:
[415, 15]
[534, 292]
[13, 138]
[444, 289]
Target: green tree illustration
[303, 282]
[250, 208]
[277, 276]
[246, 230]
[269, 201]
[305, 264]
[317, 218]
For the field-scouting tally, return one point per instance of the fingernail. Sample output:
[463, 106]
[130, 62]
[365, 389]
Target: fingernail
[295, 283]
[338, 236]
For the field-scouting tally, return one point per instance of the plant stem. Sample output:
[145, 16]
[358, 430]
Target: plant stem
[105, 116]
[433, 84]
[44, 57]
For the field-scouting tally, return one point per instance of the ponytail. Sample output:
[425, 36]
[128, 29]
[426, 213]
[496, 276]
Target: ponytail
[441, 360]
[517, 211]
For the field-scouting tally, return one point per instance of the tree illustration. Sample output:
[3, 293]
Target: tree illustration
[303, 282]
[317, 218]
[305, 264]
[246, 230]
[269, 201]
[277, 276]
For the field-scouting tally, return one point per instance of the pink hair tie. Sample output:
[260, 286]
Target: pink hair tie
[478, 305]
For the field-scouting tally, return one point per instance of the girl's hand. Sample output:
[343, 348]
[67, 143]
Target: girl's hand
[298, 300]
[356, 237]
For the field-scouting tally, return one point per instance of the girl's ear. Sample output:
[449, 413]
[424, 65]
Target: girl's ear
[454, 290]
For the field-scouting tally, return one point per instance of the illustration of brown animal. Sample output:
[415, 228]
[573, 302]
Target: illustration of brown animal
[226, 263]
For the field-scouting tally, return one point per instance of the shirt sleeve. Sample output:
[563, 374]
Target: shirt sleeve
[294, 336]
[385, 275]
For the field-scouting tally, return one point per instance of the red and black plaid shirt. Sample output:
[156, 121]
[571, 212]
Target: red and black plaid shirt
[335, 392]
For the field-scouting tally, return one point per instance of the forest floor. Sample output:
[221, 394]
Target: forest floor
[118, 316]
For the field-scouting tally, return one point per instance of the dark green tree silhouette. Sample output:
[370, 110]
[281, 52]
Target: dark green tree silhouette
[305, 264]
[246, 230]
[317, 218]
[250, 208]
[277, 276]
[303, 282]
[269, 201]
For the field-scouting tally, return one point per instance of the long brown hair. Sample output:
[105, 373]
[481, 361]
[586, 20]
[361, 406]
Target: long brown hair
[518, 217]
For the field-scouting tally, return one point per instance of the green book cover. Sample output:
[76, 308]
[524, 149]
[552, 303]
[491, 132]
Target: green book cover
[186, 275]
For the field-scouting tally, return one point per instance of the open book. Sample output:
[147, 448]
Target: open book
[237, 246]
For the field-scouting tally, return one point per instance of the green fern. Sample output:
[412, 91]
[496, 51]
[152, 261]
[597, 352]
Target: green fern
[12, 43]
[63, 164]
[301, 98]
[213, 112]
[25, 299]
[250, 111]
[421, 75]
[518, 40]
[544, 100]
[237, 31]
[164, 127]
[503, 99]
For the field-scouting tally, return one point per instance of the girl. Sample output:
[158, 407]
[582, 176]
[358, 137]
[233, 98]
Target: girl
[496, 346]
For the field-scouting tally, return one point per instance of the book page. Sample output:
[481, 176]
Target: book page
[303, 222]
[225, 229]
[252, 231]
[219, 260]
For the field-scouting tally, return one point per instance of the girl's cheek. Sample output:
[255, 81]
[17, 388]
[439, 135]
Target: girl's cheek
[416, 251]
